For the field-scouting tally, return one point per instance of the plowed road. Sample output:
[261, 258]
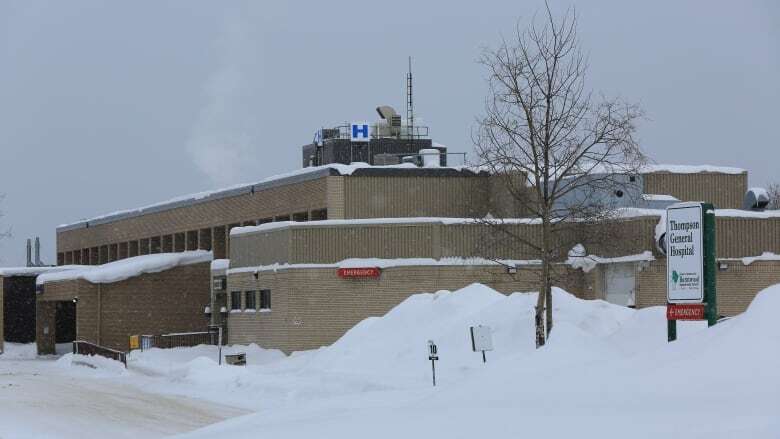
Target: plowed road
[39, 400]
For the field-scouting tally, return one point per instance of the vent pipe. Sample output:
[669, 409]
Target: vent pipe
[38, 262]
[29, 252]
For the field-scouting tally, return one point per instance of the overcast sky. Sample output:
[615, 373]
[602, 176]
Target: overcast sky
[114, 105]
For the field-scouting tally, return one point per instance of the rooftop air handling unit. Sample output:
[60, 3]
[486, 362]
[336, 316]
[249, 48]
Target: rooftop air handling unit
[756, 198]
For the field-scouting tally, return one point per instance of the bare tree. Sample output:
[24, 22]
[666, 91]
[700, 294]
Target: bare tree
[559, 150]
[773, 191]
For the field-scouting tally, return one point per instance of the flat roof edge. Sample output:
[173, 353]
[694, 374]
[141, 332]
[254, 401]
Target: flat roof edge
[207, 196]
[196, 199]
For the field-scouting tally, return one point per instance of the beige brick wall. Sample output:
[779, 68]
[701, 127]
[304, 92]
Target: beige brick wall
[152, 303]
[739, 237]
[283, 200]
[736, 286]
[429, 196]
[335, 197]
[270, 328]
[313, 243]
[725, 191]
[313, 307]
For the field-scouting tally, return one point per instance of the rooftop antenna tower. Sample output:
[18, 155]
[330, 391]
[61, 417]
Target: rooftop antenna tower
[409, 106]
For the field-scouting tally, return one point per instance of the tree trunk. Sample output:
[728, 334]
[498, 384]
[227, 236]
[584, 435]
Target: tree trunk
[548, 306]
[540, 321]
[543, 308]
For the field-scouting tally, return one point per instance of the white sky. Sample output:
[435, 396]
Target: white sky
[108, 105]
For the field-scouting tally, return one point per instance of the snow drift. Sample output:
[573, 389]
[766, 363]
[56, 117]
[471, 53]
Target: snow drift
[607, 371]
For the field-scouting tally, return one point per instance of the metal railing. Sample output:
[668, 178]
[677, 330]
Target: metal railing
[83, 347]
[179, 339]
[344, 132]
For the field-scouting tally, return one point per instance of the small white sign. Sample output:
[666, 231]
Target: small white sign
[684, 253]
[359, 132]
[481, 338]
[433, 350]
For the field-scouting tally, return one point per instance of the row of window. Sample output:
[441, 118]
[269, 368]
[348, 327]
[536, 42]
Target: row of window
[251, 301]
[175, 242]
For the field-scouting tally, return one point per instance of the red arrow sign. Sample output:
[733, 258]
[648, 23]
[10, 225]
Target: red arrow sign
[687, 311]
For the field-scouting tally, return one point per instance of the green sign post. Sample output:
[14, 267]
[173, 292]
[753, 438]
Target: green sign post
[690, 265]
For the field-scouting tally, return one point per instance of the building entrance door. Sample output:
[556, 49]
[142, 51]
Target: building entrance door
[620, 283]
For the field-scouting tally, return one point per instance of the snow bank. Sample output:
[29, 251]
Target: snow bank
[19, 351]
[393, 348]
[103, 365]
[163, 361]
[127, 268]
[606, 371]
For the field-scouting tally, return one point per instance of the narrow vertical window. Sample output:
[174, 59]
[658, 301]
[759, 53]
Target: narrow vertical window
[235, 300]
[265, 299]
[249, 300]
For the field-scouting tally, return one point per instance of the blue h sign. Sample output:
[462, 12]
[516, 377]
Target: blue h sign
[359, 132]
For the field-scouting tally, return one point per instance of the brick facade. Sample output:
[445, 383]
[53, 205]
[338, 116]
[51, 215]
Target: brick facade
[736, 285]
[313, 307]
[108, 314]
[204, 223]
[724, 191]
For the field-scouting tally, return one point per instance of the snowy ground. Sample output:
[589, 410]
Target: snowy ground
[53, 398]
[607, 372]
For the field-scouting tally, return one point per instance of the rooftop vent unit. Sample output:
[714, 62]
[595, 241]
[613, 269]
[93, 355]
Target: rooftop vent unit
[390, 125]
[388, 113]
[756, 198]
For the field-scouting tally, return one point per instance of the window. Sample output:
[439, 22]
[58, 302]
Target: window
[235, 300]
[249, 300]
[300, 216]
[319, 215]
[265, 299]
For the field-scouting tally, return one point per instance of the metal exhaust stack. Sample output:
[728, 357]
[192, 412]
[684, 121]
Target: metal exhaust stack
[29, 253]
[38, 262]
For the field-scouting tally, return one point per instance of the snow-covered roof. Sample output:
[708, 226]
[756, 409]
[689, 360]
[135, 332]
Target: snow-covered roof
[220, 264]
[127, 268]
[691, 169]
[658, 197]
[389, 263]
[35, 271]
[578, 258]
[236, 231]
[296, 176]
[766, 256]
[738, 213]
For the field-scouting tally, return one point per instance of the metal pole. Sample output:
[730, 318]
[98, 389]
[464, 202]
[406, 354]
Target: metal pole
[433, 368]
[671, 330]
[220, 345]
[710, 262]
[484, 360]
